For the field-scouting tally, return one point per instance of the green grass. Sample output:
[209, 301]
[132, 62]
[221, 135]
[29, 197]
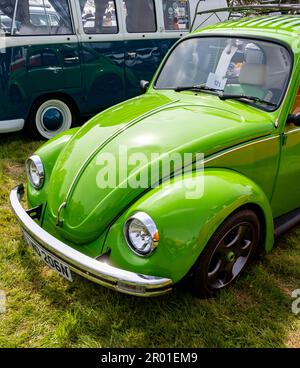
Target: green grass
[44, 310]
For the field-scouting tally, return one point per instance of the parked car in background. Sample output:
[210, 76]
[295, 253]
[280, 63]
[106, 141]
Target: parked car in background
[38, 18]
[70, 58]
[231, 93]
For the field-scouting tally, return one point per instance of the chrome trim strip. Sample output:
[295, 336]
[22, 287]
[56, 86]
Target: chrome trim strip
[60, 209]
[98, 272]
[292, 131]
[237, 148]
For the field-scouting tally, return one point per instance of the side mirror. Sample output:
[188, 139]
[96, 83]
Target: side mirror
[144, 85]
[294, 119]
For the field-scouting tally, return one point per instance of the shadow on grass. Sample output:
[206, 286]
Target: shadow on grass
[17, 146]
[256, 312]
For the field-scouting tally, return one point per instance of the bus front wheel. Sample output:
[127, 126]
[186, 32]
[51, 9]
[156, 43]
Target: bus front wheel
[50, 116]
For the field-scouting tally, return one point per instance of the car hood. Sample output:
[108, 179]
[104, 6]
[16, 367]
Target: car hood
[148, 124]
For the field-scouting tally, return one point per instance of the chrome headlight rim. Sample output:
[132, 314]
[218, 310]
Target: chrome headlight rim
[36, 160]
[151, 227]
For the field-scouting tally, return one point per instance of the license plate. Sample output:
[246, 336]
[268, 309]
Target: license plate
[50, 260]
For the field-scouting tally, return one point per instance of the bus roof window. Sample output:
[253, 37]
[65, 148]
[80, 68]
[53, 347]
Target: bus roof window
[99, 16]
[140, 16]
[41, 17]
[176, 15]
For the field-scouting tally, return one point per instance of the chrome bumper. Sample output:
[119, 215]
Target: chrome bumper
[96, 271]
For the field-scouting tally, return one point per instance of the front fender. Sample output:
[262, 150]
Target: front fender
[49, 153]
[186, 225]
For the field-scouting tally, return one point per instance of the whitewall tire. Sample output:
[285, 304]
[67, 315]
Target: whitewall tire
[50, 117]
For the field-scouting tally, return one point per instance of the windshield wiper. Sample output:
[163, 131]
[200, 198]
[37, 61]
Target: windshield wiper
[223, 96]
[199, 87]
[251, 98]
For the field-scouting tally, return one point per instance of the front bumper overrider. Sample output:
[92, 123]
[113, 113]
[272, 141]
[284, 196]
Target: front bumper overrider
[90, 268]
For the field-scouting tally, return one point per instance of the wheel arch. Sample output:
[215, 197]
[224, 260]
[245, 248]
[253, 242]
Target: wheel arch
[71, 113]
[186, 226]
[51, 95]
[259, 211]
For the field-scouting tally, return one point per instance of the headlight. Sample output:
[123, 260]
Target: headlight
[141, 234]
[35, 171]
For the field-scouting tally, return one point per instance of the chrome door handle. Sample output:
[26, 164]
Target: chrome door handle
[131, 55]
[71, 59]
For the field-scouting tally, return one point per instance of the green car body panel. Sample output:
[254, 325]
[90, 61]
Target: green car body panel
[250, 160]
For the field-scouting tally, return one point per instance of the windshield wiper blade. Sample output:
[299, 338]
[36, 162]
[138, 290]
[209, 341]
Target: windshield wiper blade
[251, 98]
[199, 87]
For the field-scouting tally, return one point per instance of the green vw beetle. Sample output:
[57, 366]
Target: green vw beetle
[228, 96]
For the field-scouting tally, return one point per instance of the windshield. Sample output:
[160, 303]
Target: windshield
[233, 66]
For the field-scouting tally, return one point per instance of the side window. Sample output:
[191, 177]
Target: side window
[44, 17]
[99, 16]
[6, 15]
[140, 16]
[176, 15]
[43, 58]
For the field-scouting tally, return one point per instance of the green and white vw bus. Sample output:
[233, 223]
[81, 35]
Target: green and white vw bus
[62, 59]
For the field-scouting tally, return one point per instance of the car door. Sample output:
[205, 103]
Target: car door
[71, 64]
[44, 68]
[102, 54]
[286, 196]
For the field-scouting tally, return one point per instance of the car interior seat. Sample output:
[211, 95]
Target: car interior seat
[252, 79]
[252, 76]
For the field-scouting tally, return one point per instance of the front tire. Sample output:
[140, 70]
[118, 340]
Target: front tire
[50, 116]
[227, 254]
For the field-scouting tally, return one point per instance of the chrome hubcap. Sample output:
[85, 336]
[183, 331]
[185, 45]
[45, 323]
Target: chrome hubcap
[53, 119]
